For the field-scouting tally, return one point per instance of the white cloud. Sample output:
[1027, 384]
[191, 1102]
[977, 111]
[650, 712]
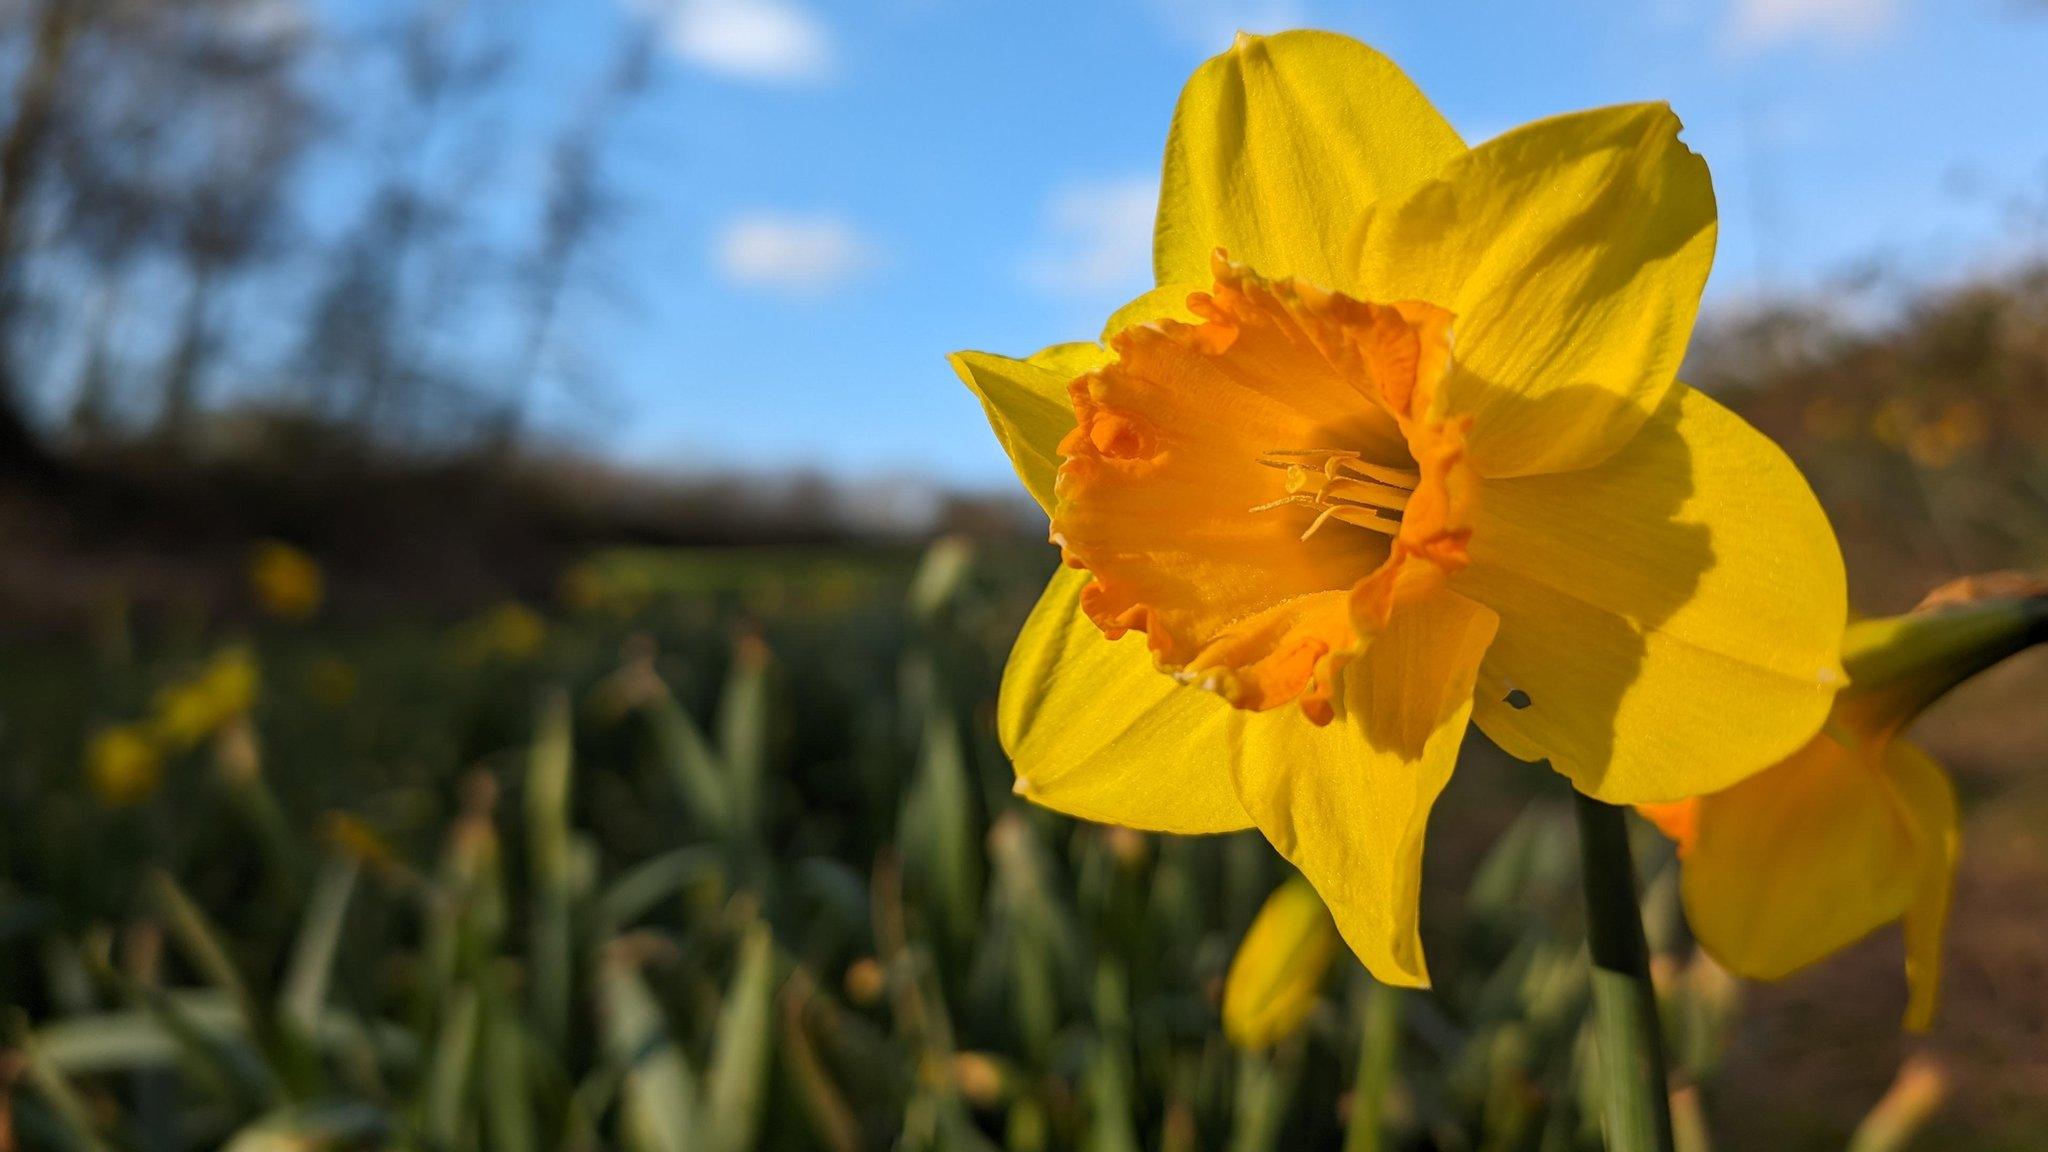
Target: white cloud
[794, 253]
[1759, 25]
[1212, 24]
[1098, 238]
[767, 41]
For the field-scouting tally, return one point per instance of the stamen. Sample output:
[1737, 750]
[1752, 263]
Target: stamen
[1339, 485]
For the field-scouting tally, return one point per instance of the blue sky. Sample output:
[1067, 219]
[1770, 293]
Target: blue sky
[826, 197]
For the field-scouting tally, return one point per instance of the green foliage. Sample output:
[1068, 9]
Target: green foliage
[710, 874]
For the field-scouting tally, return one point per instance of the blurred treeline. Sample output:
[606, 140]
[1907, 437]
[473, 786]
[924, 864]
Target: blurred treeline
[273, 272]
[239, 206]
[1922, 422]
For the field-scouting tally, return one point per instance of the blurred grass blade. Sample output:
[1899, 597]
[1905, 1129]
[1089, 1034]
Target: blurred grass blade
[1916, 1094]
[238, 762]
[941, 576]
[1689, 1121]
[288, 1056]
[1265, 1082]
[658, 1109]
[940, 845]
[66, 1106]
[1111, 1111]
[312, 964]
[694, 769]
[1379, 1052]
[508, 1100]
[645, 885]
[743, 733]
[334, 1126]
[736, 1082]
[450, 1075]
[197, 938]
[548, 786]
[832, 1118]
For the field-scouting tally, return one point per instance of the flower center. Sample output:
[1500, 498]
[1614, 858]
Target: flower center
[1339, 485]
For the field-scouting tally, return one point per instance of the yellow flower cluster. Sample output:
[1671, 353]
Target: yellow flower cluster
[124, 762]
[189, 711]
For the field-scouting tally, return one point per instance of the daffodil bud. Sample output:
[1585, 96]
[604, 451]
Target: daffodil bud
[1279, 968]
[287, 582]
[1898, 665]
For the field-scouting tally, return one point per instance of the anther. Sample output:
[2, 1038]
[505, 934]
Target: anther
[1339, 485]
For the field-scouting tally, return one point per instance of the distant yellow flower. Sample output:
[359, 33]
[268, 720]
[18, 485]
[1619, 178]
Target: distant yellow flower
[1858, 828]
[286, 581]
[192, 710]
[1278, 971]
[123, 765]
[511, 631]
[1398, 442]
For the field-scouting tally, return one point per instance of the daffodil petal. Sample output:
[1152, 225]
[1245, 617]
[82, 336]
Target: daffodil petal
[1096, 731]
[1026, 403]
[1799, 861]
[1669, 619]
[1348, 802]
[1572, 252]
[1929, 799]
[1166, 302]
[1276, 147]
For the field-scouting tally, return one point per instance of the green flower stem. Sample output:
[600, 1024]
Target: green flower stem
[1633, 1089]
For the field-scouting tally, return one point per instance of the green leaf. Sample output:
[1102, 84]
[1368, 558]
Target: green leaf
[737, 1079]
[550, 766]
[658, 1109]
[743, 733]
[312, 963]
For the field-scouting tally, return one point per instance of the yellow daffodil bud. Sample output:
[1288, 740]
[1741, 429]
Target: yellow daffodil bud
[1898, 665]
[287, 582]
[123, 765]
[865, 981]
[981, 1079]
[1279, 968]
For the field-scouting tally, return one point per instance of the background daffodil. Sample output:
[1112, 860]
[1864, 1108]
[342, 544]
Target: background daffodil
[1279, 967]
[1396, 443]
[1858, 828]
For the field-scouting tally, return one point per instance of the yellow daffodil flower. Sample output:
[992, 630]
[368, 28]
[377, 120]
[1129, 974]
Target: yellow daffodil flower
[1398, 442]
[510, 632]
[123, 765]
[192, 710]
[1858, 828]
[287, 582]
[1278, 971]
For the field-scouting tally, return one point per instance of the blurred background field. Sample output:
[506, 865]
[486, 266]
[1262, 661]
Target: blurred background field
[405, 743]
